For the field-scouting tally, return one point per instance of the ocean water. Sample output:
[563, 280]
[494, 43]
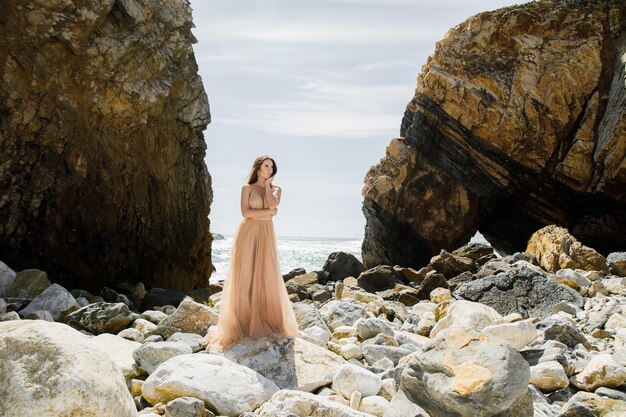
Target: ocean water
[309, 253]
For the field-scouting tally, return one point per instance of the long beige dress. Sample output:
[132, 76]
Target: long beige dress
[254, 300]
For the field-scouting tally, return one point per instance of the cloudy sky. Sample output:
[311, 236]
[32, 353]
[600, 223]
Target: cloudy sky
[321, 86]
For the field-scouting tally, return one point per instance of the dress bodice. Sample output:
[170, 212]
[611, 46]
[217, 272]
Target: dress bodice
[256, 200]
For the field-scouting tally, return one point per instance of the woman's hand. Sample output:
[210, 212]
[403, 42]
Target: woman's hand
[268, 182]
[273, 211]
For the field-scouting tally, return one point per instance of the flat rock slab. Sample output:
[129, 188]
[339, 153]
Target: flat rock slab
[304, 404]
[291, 363]
[225, 387]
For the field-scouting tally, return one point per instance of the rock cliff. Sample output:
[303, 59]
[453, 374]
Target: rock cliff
[518, 121]
[102, 167]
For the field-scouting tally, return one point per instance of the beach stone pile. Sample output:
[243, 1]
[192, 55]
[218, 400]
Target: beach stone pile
[540, 333]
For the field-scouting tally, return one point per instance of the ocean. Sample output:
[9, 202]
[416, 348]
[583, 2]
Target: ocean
[309, 253]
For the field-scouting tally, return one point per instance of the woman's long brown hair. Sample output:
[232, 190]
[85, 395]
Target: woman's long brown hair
[254, 173]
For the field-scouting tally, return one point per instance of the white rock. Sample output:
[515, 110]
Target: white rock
[601, 371]
[620, 339]
[374, 405]
[150, 355]
[548, 376]
[412, 338]
[290, 363]
[131, 334]
[50, 370]
[153, 316]
[224, 386]
[401, 406]
[440, 294]
[350, 378]
[147, 328]
[299, 403]
[467, 314]
[518, 334]
[388, 389]
[350, 351]
[318, 334]
[120, 351]
[615, 322]
[383, 363]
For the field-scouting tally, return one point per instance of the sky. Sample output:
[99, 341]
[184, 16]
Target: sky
[319, 85]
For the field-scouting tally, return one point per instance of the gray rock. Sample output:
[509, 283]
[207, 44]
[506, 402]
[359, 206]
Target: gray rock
[307, 315]
[298, 289]
[7, 276]
[568, 308]
[340, 265]
[537, 356]
[150, 355]
[294, 273]
[40, 315]
[155, 338]
[368, 328]
[523, 289]
[617, 263]
[588, 404]
[343, 312]
[82, 301]
[557, 328]
[184, 407]
[55, 299]
[111, 296]
[153, 316]
[28, 283]
[289, 363]
[476, 377]
[546, 410]
[161, 297]
[131, 334]
[611, 393]
[379, 278]
[476, 252]
[431, 281]
[3, 306]
[189, 317]
[374, 353]
[101, 317]
[11, 315]
[191, 339]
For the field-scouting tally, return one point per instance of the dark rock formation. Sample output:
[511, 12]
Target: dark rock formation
[518, 121]
[101, 146]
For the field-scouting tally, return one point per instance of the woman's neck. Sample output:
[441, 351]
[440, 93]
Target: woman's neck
[260, 182]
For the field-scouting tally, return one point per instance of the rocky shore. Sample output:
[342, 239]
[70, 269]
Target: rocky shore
[539, 333]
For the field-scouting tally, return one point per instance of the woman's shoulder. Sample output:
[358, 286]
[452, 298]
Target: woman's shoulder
[276, 188]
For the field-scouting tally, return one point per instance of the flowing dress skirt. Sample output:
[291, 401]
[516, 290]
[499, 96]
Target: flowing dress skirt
[254, 300]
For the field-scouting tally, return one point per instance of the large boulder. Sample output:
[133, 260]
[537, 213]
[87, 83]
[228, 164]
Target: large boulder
[102, 147]
[55, 299]
[465, 374]
[290, 363]
[189, 317]
[49, 370]
[225, 387]
[102, 318]
[517, 122]
[28, 283]
[304, 404]
[556, 249]
[7, 276]
[340, 265]
[379, 278]
[523, 289]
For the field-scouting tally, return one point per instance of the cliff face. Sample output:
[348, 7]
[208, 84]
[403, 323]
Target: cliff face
[101, 149]
[518, 121]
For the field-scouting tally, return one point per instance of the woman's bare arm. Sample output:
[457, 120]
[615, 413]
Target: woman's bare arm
[272, 195]
[249, 213]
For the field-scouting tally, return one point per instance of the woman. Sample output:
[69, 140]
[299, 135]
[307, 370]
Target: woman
[254, 300]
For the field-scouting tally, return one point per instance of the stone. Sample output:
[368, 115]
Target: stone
[297, 403]
[318, 334]
[28, 283]
[473, 153]
[153, 316]
[601, 371]
[431, 281]
[451, 265]
[225, 387]
[568, 308]
[293, 273]
[440, 294]
[350, 378]
[556, 249]
[379, 278]
[401, 406]
[124, 156]
[146, 327]
[340, 265]
[185, 407]
[616, 260]
[368, 328]
[345, 313]
[548, 376]
[355, 399]
[120, 351]
[289, 363]
[615, 322]
[523, 289]
[50, 369]
[150, 355]
[190, 339]
[159, 297]
[55, 299]
[518, 334]
[373, 353]
[461, 373]
[374, 405]
[11, 315]
[611, 393]
[101, 317]
[111, 296]
[7, 276]
[345, 290]
[350, 351]
[308, 316]
[467, 314]
[388, 390]
[593, 405]
[189, 317]
[571, 278]
[557, 328]
[477, 252]
[132, 334]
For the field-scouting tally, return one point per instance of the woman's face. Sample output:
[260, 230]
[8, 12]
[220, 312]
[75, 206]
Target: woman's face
[266, 169]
